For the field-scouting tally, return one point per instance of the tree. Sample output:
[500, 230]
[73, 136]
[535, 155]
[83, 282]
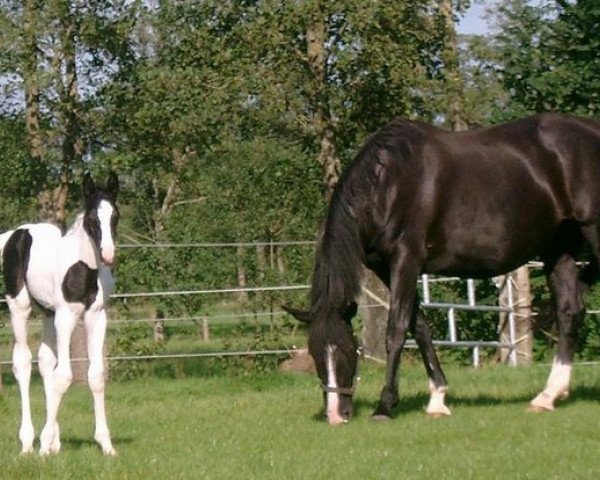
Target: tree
[546, 56]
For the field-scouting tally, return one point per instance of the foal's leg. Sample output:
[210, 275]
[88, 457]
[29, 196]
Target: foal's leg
[567, 291]
[95, 326]
[46, 364]
[403, 308]
[65, 319]
[437, 380]
[20, 308]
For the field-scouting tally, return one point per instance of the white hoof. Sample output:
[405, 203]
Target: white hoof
[104, 441]
[438, 411]
[541, 403]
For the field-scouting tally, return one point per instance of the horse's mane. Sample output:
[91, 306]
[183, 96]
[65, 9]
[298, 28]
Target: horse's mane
[340, 252]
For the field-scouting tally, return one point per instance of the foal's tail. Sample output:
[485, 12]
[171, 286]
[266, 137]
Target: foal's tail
[3, 239]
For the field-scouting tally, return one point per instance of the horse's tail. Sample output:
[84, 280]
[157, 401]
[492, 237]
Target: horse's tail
[338, 263]
[3, 239]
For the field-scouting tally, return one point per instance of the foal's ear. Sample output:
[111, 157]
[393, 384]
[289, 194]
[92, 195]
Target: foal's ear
[349, 312]
[300, 315]
[88, 187]
[112, 186]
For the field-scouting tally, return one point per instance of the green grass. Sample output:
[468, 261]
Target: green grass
[270, 427]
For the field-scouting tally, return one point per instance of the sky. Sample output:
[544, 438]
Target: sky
[472, 22]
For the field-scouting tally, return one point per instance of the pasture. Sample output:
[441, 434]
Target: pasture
[270, 426]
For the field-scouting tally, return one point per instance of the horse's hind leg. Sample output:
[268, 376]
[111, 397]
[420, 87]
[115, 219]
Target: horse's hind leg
[95, 324]
[567, 291]
[437, 381]
[20, 308]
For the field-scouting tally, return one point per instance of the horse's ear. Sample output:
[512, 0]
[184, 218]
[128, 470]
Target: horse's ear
[349, 312]
[112, 186]
[88, 187]
[300, 315]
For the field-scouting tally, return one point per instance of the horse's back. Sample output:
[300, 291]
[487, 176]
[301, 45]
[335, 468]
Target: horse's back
[484, 201]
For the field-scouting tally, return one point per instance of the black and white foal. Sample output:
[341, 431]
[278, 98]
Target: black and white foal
[69, 277]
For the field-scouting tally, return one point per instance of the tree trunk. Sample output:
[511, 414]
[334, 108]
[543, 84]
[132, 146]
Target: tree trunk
[453, 77]
[318, 55]
[72, 153]
[35, 143]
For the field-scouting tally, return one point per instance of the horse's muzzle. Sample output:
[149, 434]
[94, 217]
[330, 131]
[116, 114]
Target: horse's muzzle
[108, 256]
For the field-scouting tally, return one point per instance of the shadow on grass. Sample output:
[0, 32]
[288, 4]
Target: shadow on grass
[76, 443]
[417, 403]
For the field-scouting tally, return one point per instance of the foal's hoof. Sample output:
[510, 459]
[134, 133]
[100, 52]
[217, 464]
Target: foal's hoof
[436, 415]
[543, 402]
[538, 408]
[109, 452]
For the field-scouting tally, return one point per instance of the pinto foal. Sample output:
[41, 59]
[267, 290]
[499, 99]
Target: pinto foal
[69, 277]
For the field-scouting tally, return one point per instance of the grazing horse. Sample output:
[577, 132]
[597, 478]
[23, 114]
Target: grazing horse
[69, 277]
[417, 199]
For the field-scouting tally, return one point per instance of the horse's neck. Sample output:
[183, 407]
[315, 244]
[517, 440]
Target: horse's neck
[88, 251]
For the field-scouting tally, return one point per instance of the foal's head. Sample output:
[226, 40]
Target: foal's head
[101, 215]
[333, 346]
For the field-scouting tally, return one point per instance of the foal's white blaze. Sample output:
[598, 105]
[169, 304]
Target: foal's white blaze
[436, 404]
[107, 246]
[333, 399]
[557, 386]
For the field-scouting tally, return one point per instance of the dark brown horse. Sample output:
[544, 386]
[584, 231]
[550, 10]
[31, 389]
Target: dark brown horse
[418, 199]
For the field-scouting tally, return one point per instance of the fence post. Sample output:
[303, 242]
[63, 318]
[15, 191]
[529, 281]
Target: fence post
[205, 331]
[451, 325]
[159, 326]
[375, 317]
[515, 325]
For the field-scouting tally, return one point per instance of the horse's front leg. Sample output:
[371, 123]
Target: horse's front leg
[64, 322]
[403, 308]
[95, 326]
[20, 308]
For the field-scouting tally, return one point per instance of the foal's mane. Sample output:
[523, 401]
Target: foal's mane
[77, 223]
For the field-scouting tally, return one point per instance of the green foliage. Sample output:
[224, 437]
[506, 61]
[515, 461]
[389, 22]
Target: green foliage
[18, 176]
[547, 56]
[132, 339]
[212, 113]
[263, 337]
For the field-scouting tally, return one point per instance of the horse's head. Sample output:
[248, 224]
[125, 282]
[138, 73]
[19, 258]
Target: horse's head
[101, 215]
[333, 346]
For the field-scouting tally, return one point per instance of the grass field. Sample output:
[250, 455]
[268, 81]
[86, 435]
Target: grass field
[270, 427]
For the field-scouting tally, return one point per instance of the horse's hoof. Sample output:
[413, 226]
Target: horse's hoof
[380, 417]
